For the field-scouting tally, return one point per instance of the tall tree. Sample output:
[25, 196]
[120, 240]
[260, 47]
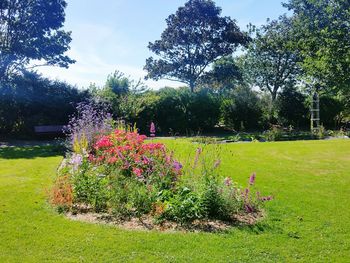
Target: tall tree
[322, 35]
[196, 36]
[270, 62]
[224, 75]
[32, 30]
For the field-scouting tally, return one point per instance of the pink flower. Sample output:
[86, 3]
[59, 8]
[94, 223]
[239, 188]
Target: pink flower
[252, 179]
[104, 142]
[146, 160]
[137, 171]
[112, 160]
[152, 130]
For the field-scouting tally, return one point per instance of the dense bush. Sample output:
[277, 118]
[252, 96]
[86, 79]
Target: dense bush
[330, 110]
[31, 100]
[241, 109]
[174, 111]
[292, 109]
[182, 111]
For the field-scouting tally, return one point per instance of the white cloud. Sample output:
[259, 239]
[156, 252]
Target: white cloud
[90, 68]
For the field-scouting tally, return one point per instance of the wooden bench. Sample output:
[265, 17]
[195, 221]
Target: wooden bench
[49, 129]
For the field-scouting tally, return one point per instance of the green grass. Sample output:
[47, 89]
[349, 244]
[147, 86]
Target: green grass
[308, 221]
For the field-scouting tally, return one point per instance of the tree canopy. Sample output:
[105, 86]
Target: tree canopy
[270, 63]
[196, 36]
[32, 30]
[322, 33]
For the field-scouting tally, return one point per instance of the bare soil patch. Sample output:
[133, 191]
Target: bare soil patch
[146, 222]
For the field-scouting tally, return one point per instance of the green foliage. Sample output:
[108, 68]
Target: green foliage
[183, 207]
[32, 100]
[196, 35]
[32, 30]
[173, 111]
[270, 63]
[330, 111]
[129, 197]
[321, 132]
[241, 109]
[321, 35]
[224, 75]
[90, 187]
[273, 134]
[292, 108]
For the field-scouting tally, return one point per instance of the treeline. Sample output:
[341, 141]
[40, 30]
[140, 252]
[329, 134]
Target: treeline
[32, 100]
[180, 111]
[283, 63]
[29, 100]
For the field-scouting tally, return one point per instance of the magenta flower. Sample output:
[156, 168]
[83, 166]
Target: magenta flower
[252, 179]
[152, 130]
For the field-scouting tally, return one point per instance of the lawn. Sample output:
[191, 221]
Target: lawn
[308, 221]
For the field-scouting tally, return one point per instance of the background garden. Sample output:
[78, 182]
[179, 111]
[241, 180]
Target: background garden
[253, 84]
[241, 80]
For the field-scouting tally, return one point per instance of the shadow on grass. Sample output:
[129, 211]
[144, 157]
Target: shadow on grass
[30, 152]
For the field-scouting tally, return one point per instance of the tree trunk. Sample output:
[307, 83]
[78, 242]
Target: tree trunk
[192, 86]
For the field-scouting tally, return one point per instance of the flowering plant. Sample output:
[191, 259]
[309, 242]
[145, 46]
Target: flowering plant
[147, 162]
[125, 175]
[90, 120]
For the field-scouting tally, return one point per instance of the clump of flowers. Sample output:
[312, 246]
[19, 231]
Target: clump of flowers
[125, 175]
[127, 151]
[90, 120]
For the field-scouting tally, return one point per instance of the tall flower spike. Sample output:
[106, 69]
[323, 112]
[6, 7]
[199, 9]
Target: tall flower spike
[152, 130]
[252, 179]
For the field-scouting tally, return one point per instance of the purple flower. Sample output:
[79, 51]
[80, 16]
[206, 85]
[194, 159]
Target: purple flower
[76, 160]
[266, 198]
[198, 152]
[91, 119]
[152, 130]
[248, 208]
[177, 166]
[228, 181]
[252, 179]
[217, 163]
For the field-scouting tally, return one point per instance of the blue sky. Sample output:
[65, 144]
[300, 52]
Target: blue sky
[113, 35]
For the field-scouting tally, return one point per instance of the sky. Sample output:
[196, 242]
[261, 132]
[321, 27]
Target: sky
[109, 35]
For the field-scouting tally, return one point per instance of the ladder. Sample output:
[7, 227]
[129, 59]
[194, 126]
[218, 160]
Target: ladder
[315, 113]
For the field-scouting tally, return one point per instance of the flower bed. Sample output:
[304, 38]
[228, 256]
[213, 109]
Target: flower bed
[124, 177]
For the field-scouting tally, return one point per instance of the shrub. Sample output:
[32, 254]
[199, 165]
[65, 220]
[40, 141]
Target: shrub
[292, 109]
[241, 109]
[184, 206]
[273, 134]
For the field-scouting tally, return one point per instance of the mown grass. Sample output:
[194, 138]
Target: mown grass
[308, 221]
